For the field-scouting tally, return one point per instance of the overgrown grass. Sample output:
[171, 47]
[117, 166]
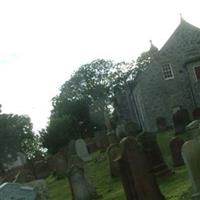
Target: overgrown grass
[174, 187]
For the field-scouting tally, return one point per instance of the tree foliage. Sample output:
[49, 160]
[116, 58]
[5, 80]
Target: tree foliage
[16, 135]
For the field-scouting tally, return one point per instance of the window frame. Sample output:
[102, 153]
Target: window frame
[171, 70]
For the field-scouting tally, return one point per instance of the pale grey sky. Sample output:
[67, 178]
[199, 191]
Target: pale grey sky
[43, 41]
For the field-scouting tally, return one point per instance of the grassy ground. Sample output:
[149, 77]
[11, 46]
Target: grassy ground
[174, 187]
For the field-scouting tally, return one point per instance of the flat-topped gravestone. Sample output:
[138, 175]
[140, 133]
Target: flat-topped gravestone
[191, 155]
[81, 150]
[13, 191]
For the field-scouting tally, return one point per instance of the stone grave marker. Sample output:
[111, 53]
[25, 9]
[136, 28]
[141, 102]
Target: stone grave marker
[101, 140]
[60, 165]
[91, 145]
[81, 188]
[138, 181]
[113, 153]
[41, 169]
[181, 119]
[153, 153]
[112, 137]
[191, 155]
[81, 150]
[175, 145]
[193, 129]
[14, 191]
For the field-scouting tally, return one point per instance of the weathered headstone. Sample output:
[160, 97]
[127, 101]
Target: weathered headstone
[14, 191]
[196, 113]
[60, 165]
[113, 152]
[193, 129]
[91, 145]
[181, 119]
[176, 144]
[161, 124]
[153, 153]
[41, 169]
[138, 181]
[41, 187]
[112, 137]
[80, 187]
[101, 140]
[121, 131]
[81, 150]
[191, 155]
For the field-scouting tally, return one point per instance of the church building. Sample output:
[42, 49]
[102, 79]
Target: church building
[171, 81]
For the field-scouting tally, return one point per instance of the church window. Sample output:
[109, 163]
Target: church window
[167, 72]
[197, 73]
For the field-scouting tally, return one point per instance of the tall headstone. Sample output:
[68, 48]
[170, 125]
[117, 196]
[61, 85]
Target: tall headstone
[153, 153]
[81, 189]
[138, 181]
[113, 153]
[81, 150]
[14, 191]
[181, 119]
[191, 155]
[175, 145]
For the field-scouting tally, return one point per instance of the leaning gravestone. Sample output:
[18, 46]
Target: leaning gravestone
[191, 155]
[13, 191]
[175, 145]
[138, 181]
[81, 150]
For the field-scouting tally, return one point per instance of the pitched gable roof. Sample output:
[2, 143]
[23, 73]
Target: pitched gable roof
[184, 35]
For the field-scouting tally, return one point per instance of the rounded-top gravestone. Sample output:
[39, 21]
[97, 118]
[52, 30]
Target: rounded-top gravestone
[81, 150]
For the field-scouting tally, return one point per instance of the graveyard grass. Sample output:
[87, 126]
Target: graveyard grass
[174, 187]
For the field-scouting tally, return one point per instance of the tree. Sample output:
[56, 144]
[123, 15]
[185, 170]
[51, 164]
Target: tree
[69, 119]
[16, 135]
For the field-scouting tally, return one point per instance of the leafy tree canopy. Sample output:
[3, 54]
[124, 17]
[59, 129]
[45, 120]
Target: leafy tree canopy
[16, 135]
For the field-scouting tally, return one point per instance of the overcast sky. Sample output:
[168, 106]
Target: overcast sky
[43, 41]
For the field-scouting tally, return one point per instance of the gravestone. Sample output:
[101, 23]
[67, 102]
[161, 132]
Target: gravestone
[14, 191]
[113, 153]
[153, 153]
[112, 137]
[41, 169]
[191, 155]
[193, 129]
[138, 181]
[81, 150]
[181, 119]
[196, 113]
[91, 145]
[60, 165]
[161, 124]
[176, 144]
[101, 140]
[80, 187]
